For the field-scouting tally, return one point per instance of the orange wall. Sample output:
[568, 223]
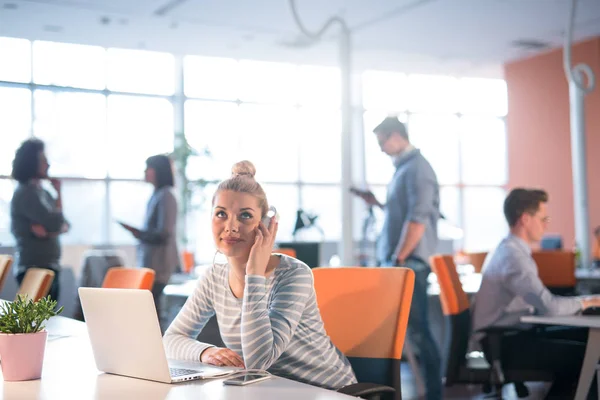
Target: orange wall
[539, 143]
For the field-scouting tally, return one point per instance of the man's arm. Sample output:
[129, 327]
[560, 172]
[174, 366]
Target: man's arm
[421, 192]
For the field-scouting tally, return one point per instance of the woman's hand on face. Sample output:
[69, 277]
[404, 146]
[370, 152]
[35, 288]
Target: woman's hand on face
[260, 253]
[221, 357]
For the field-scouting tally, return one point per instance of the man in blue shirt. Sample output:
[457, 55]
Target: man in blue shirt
[409, 235]
[511, 288]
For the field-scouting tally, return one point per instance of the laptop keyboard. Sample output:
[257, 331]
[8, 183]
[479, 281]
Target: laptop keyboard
[175, 372]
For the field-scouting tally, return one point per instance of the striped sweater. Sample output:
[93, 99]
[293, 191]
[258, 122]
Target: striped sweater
[276, 326]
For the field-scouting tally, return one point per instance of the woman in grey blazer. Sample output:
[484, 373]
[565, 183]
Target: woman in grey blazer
[157, 239]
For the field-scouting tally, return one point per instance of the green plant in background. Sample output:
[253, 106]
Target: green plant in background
[182, 154]
[25, 315]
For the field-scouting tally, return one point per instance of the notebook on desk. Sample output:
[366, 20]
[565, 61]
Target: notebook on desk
[126, 340]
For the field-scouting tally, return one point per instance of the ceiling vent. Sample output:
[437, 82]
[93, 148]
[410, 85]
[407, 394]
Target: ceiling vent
[530, 44]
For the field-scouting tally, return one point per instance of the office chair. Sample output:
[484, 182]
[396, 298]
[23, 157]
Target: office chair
[5, 264]
[477, 260]
[556, 270]
[285, 250]
[463, 368]
[36, 283]
[365, 312]
[129, 278]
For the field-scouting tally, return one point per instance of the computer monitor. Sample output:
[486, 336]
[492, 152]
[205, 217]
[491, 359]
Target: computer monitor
[307, 252]
[552, 242]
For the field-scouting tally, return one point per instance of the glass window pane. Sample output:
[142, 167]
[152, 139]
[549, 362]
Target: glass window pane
[285, 199]
[213, 125]
[320, 146]
[486, 96]
[385, 91]
[138, 71]
[437, 138]
[319, 86]
[484, 220]
[127, 204]
[138, 127]
[84, 204]
[7, 187]
[449, 227]
[199, 226]
[483, 151]
[270, 140]
[73, 125]
[15, 124]
[326, 203]
[211, 78]
[432, 93]
[378, 165]
[16, 60]
[65, 64]
[268, 82]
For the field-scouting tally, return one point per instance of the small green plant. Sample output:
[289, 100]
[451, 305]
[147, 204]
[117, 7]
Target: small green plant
[25, 315]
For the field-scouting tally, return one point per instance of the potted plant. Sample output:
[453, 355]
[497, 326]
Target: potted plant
[183, 152]
[23, 337]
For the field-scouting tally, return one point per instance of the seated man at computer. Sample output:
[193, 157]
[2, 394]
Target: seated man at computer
[511, 288]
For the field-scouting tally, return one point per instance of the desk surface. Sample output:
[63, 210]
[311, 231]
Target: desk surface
[70, 373]
[585, 274]
[585, 321]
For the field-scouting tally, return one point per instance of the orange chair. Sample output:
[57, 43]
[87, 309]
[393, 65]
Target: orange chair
[5, 263]
[462, 368]
[556, 270]
[36, 283]
[286, 251]
[129, 278]
[476, 260]
[365, 312]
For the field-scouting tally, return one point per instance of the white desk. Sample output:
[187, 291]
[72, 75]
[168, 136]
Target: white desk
[70, 373]
[592, 350]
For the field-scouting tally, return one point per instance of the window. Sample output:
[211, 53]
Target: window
[269, 139]
[285, 199]
[128, 202]
[16, 60]
[457, 124]
[483, 150]
[85, 208]
[437, 138]
[325, 202]
[15, 123]
[320, 134]
[319, 86]
[137, 71]
[212, 125]
[211, 78]
[138, 127]
[7, 187]
[267, 82]
[484, 222]
[73, 126]
[66, 64]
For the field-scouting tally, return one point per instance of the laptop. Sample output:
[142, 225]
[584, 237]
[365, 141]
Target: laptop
[126, 339]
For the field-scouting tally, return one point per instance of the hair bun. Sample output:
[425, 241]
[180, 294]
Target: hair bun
[243, 168]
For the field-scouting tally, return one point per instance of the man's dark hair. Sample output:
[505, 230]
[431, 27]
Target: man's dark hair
[391, 125]
[520, 201]
[26, 164]
[161, 165]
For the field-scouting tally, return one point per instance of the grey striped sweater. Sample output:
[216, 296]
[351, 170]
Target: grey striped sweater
[277, 325]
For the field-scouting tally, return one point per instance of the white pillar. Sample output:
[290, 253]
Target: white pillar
[347, 240]
[579, 165]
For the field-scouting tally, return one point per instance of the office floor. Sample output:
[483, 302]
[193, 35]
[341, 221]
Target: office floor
[537, 391]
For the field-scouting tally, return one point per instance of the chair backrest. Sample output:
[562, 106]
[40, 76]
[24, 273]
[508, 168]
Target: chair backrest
[286, 250]
[476, 260]
[365, 312]
[455, 306]
[129, 278]
[36, 283]
[556, 268]
[5, 263]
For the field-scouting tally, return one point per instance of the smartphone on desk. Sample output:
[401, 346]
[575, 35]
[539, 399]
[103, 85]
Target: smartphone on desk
[246, 379]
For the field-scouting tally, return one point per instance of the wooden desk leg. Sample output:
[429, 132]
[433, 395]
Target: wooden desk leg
[588, 369]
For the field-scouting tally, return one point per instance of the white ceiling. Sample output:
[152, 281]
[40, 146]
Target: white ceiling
[461, 37]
